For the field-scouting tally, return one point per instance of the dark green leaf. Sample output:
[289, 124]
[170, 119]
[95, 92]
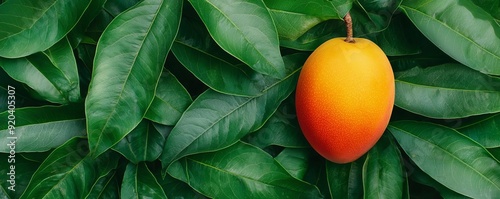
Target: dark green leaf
[490, 6]
[341, 6]
[315, 36]
[139, 182]
[450, 158]
[127, 66]
[177, 189]
[345, 180]
[245, 29]
[171, 100]
[53, 74]
[24, 169]
[461, 29]
[419, 176]
[144, 143]
[447, 91]
[115, 7]
[42, 128]
[105, 187]
[77, 34]
[238, 171]
[383, 171]
[398, 38]
[486, 131]
[295, 161]
[215, 120]
[370, 16]
[32, 26]
[69, 172]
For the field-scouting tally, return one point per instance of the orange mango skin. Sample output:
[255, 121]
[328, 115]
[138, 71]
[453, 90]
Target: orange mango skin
[344, 98]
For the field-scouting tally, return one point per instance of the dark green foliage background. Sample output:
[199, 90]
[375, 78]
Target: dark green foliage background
[195, 99]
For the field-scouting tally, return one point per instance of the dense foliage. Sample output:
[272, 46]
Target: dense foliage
[195, 99]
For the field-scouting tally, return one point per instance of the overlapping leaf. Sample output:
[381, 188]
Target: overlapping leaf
[171, 99]
[486, 132]
[52, 74]
[295, 161]
[69, 171]
[239, 170]
[139, 182]
[43, 128]
[105, 187]
[345, 180]
[450, 158]
[127, 66]
[245, 29]
[447, 91]
[24, 169]
[33, 26]
[461, 29]
[215, 120]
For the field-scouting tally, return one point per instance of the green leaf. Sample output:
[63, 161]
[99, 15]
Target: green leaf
[144, 143]
[370, 16]
[341, 6]
[317, 35]
[69, 171]
[24, 169]
[461, 29]
[295, 161]
[77, 34]
[139, 182]
[486, 131]
[238, 171]
[105, 187]
[177, 189]
[419, 176]
[170, 101]
[345, 180]
[33, 26]
[43, 128]
[127, 66]
[383, 171]
[53, 74]
[450, 158]
[115, 7]
[398, 39]
[245, 29]
[447, 91]
[215, 120]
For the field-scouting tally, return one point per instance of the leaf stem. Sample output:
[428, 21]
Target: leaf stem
[348, 24]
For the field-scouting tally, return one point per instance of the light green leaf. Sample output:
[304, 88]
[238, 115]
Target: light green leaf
[33, 26]
[237, 172]
[486, 131]
[215, 120]
[170, 101]
[450, 158]
[144, 143]
[52, 74]
[127, 66]
[69, 172]
[447, 91]
[383, 171]
[245, 29]
[139, 182]
[43, 128]
[461, 29]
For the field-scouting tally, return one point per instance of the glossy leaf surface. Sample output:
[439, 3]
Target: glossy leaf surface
[486, 131]
[450, 158]
[245, 29]
[214, 120]
[40, 129]
[237, 172]
[461, 29]
[33, 26]
[139, 182]
[447, 91]
[127, 66]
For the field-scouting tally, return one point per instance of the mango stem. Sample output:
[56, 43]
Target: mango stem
[348, 23]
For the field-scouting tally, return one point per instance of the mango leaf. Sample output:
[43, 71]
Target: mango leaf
[42, 128]
[341, 6]
[486, 131]
[472, 39]
[399, 38]
[52, 74]
[294, 18]
[175, 188]
[77, 34]
[317, 35]
[171, 100]
[447, 91]
[383, 171]
[127, 66]
[139, 182]
[69, 171]
[282, 129]
[239, 170]
[115, 7]
[245, 29]
[215, 120]
[32, 26]
[370, 16]
[105, 187]
[144, 143]
[295, 161]
[345, 180]
[419, 176]
[24, 169]
[490, 6]
[450, 158]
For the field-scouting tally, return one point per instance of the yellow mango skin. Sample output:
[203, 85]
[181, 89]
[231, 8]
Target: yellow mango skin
[344, 98]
